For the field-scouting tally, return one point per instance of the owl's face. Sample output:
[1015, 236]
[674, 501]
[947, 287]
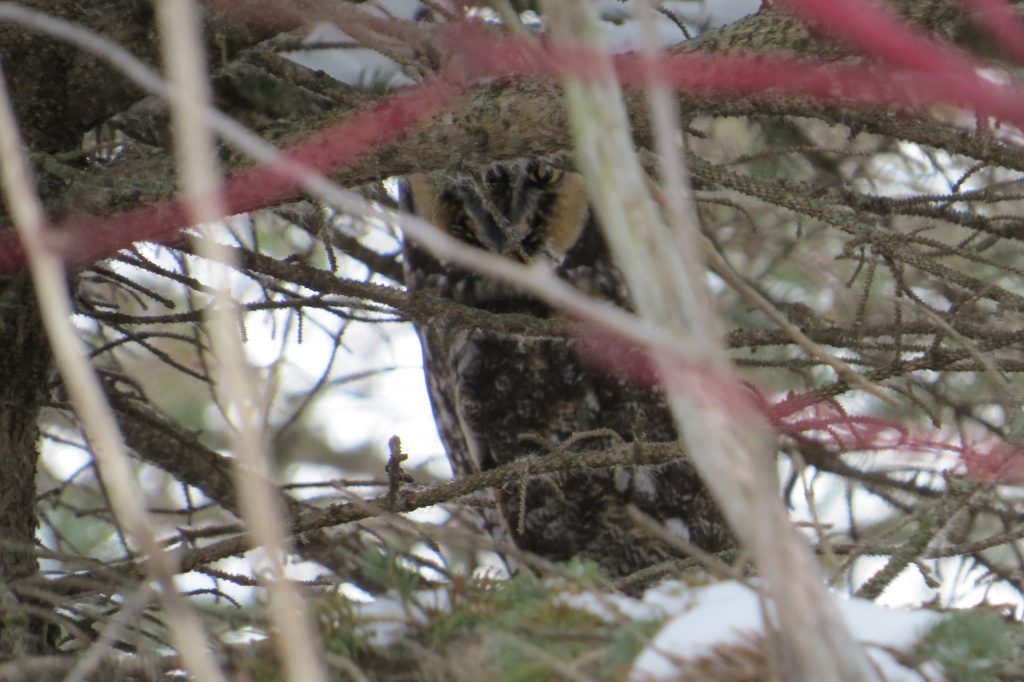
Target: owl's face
[523, 210]
[528, 211]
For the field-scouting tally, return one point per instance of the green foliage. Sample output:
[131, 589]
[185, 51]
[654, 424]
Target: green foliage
[486, 603]
[509, 604]
[972, 646]
[390, 570]
[627, 642]
[515, 630]
[525, 626]
[521, 668]
[583, 571]
[335, 617]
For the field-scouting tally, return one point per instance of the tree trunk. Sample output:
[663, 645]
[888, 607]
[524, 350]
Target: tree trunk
[24, 364]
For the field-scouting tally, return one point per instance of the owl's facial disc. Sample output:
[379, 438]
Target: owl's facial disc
[528, 211]
[519, 210]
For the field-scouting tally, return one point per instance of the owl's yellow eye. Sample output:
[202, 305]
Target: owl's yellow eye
[545, 175]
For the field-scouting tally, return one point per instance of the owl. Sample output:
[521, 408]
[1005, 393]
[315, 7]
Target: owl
[499, 396]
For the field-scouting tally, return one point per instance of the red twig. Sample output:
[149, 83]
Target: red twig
[938, 74]
[872, 29]
[85, 240]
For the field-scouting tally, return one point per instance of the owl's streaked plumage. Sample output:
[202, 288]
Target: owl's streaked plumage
[494, 393]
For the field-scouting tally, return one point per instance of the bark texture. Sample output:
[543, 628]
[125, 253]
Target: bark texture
[24, 367]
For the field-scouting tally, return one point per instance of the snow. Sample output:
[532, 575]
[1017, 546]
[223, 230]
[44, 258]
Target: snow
[720, 614]
[696, 621]
[730, 613]
[699, 619]
[611, 608]
[386, 619]
[383, 621]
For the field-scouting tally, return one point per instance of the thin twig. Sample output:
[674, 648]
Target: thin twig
[260, 503]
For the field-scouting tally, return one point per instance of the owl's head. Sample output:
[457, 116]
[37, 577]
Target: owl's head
[522, 209]
[526, 210]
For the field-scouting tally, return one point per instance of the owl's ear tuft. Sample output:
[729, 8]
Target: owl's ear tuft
[418, 194]
[568, 216]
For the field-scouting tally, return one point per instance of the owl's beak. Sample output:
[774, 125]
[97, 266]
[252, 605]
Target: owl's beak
[505, 240]
[496, 236]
